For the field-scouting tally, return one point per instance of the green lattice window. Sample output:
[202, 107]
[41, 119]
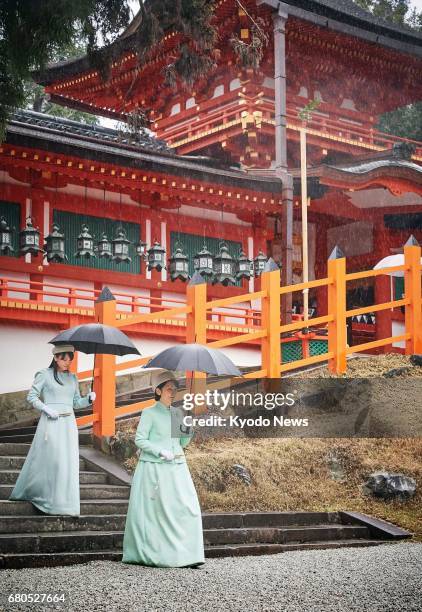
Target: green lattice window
[291, 351]
[12, 213]
[398, 287]
[71, 224]
[318, 347]
[193, 243]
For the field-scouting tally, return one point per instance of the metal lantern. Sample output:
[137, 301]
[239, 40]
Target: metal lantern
[203, 263]
[259, 263]
[104, 247]
[5, 237]
[243, 267]
[54, 246]
[141, 249]
[29, 239]
[156, 257]
[85, 244]
[120, 247]
[224, 267]
[179, 265]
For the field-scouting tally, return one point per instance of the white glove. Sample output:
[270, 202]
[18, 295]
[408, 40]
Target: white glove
[91, 396]
[50, 412]
[167, 455]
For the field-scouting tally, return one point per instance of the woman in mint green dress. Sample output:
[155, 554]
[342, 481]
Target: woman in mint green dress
[50, 475]
[164, 522]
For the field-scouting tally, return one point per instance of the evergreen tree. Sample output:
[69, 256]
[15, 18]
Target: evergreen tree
[405, 121]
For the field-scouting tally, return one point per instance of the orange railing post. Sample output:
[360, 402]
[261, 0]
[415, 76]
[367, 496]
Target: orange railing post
[271, 343]
[412, 288]
[337, 308]
[105, 384]
[196, 325]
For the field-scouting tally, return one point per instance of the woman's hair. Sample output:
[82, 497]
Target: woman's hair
[157, 397]
[53, 365]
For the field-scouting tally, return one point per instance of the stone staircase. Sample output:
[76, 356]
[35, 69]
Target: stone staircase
[29, 538]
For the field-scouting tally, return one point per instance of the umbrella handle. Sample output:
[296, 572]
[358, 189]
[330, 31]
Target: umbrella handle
[93, 374]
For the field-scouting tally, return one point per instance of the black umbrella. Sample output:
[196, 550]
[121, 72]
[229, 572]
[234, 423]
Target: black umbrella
[195, 357]
[94, 338]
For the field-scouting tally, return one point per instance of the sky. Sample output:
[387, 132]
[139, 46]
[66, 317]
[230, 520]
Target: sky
[417, 4]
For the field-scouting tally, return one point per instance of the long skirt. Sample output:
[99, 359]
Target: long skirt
[164, 522]
[50, 475]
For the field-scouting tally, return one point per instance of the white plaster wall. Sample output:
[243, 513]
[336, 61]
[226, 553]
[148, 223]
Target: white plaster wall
[123, 301]
[22, 284]
[398, 329]
[85, 286]
[25, 350]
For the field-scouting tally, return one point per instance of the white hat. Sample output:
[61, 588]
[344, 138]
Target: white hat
[63, 348]
[158, 378]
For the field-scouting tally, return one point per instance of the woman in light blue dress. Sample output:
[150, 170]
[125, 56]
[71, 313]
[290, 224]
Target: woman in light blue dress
[50, 475]
[164, 521]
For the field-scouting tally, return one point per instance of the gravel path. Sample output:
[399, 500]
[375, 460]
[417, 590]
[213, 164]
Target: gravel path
[384, 578]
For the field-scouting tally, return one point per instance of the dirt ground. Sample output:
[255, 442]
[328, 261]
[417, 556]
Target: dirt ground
[312, 473]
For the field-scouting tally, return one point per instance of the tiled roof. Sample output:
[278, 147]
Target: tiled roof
[100, 133]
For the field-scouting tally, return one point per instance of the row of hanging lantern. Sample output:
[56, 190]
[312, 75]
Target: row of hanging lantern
[220, 268]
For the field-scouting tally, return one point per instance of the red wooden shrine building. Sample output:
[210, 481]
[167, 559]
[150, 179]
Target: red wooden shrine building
[224, 166]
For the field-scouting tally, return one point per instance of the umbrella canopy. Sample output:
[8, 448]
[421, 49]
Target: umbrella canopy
[194, 357]
[96, 338]
[391, 261]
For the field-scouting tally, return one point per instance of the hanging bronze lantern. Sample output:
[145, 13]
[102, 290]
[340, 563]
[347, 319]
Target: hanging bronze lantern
[85, 244]
[179, 265]
[54, 246]
[120, 248]
[224, 267]
[243, 267]
[141, 249]
[5, 237]
[29, 239]
[259, 263]
[156, 257]
[104, 247]
[203, 263]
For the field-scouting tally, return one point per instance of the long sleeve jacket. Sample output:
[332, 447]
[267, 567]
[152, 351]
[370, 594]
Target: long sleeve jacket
[155, 430]
[45, 391]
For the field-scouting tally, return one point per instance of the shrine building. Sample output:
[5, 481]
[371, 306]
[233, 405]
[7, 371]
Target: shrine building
[214, 185]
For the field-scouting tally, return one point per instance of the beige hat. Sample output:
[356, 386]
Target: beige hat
[63, 348]
[158, 378]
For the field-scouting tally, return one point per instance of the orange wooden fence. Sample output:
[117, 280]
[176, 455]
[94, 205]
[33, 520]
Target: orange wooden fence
[198, 312]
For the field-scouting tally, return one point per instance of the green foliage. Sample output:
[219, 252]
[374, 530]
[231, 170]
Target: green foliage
[399, 12]
[33, 33]
[249, 55]
[305, 114]
[406, 121]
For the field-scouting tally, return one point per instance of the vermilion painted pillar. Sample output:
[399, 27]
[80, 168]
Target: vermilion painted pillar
[382, 287]
[383, 317]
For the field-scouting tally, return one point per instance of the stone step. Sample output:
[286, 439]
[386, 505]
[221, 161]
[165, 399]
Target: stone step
[11, 431]
[84, 438]
[65, 541]
[262, 548]
[87, 491]
[22, 560]
[14, 448]
[227, 520]
[91, 507]
[57, 524]
[15, 462]
[284, 535]
[10, 477]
